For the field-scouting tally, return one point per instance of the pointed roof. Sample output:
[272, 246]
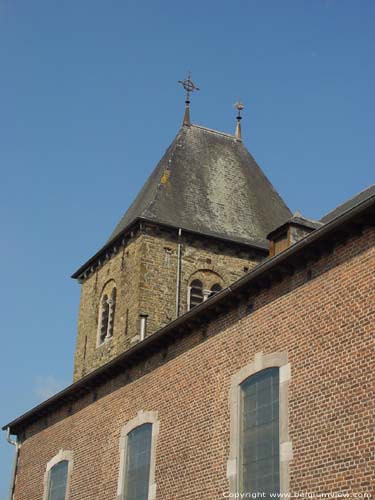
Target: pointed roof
[208, 182]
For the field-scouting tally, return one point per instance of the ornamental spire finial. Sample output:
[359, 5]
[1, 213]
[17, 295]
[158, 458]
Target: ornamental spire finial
[189, 87]
[239, 106]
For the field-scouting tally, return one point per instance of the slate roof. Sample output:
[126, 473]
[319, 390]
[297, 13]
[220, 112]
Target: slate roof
[299, 220]
[208, 182]
[349, 204]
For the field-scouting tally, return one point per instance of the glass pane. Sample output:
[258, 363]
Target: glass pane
[138, 455]
[259, 434]
[58, 478]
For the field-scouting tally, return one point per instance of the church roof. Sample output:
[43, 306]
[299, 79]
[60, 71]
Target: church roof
[207, 182]
[349, 204]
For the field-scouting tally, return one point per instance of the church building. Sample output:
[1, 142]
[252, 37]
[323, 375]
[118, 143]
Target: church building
[225, 346]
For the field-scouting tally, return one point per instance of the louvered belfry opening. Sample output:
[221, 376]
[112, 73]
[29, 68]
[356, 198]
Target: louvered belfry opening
[196, 293]
[107, 316]
[216, 288]
[104, 318]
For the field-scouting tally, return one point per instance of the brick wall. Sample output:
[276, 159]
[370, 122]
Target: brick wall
[324, 319]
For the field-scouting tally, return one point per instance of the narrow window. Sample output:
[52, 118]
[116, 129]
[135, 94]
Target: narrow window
[137, 464]
[58, 478]
[216, 288]
[104, 315]
[107, 316]
[259, 433]
[196, 293]
[111, 312]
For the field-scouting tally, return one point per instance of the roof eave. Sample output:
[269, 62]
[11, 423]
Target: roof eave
[249, 244]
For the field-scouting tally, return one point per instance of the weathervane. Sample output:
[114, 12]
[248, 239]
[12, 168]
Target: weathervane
[239, 106]
[189, 87]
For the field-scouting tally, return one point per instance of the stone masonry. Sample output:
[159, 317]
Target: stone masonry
[145, 275]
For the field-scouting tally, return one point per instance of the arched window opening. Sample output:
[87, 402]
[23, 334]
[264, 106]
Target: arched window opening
[259, 457]
[137, 463]
[58, 479]
[107, 316]
[216, 288]
[195, 293]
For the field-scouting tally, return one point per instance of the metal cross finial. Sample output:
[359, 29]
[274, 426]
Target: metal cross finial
[189, 86]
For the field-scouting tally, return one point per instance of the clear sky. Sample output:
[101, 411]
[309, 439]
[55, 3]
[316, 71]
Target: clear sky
[89, 101]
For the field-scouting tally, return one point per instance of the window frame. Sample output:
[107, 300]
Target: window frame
[62, 455]
[143, 417]
[260, 363]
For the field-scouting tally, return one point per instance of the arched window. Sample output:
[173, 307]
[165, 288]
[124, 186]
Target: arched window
[137, 467]
[195, 293]
[259, 433]
[137, 459]
[107, 316]
[260, 448]
[57, 476]
[216, 288]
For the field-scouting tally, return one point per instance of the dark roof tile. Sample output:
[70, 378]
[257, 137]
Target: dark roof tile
[348, 205]
[208, 182]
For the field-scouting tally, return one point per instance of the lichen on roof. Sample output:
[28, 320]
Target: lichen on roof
[208, 182]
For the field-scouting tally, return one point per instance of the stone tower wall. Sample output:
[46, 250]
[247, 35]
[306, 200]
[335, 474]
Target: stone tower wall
[124, 269]
[145, 273]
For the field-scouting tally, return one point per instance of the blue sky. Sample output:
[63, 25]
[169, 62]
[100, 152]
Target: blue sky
[89, 101]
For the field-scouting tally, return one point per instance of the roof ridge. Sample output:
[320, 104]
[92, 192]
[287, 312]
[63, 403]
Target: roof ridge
[218, 132]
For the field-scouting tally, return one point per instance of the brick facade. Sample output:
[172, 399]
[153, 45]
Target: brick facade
[323, 317]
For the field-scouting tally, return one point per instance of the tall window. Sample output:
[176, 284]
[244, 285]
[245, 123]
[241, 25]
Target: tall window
[58, 478]
[260, 448]
[137, 467]
[259, 433]
[107, 315]
[196, 293]
[138, 456]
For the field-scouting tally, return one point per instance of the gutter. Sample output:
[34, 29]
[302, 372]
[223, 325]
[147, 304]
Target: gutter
[178, 280]
[17, 447]
[86, 383]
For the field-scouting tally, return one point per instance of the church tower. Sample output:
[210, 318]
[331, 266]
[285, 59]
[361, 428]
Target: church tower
[198, 224]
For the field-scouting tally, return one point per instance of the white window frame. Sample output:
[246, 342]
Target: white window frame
[61, 456]
[143, 417]
[260, 363]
